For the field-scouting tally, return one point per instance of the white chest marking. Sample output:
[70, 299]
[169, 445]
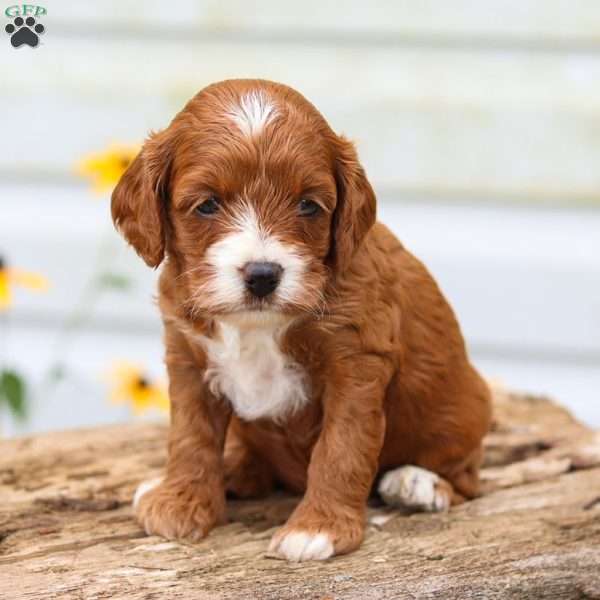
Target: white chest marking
[246, 366]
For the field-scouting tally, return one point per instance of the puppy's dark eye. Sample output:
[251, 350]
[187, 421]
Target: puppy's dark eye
[308, 208]
[208, 207]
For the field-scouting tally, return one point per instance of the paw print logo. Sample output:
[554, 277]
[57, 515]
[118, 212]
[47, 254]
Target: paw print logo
[24, 31]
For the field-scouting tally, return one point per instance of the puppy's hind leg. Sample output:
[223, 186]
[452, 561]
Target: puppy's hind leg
[414, 489]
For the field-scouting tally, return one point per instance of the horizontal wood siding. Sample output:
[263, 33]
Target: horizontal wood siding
[478, 123]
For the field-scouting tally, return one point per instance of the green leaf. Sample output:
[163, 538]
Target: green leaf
[12, 389]
[114, 281]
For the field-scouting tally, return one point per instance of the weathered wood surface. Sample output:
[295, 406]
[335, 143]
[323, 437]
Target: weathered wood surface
[66, 528]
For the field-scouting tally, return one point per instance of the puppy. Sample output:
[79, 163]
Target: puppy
[305, 346]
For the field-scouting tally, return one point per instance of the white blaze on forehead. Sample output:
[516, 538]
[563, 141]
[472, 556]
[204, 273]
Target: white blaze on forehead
[249, 242]
[252, 113]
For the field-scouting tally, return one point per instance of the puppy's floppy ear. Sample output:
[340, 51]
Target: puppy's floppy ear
[355, 212]
[138, 201]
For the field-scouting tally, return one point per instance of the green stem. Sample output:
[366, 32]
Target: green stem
[3, 339]
[84, 308]
[3, 358]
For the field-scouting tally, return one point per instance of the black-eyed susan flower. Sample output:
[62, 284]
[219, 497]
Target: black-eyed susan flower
[10, 277]
[104, 169]
[130, 384]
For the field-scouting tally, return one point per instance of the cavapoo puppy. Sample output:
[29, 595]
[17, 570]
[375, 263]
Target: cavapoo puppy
[305, 346]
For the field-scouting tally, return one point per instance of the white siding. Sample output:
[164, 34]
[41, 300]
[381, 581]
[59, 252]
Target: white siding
[478, 123]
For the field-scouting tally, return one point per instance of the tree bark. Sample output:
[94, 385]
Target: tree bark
[66, 526]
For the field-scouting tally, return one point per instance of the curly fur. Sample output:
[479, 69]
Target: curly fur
[355, 367]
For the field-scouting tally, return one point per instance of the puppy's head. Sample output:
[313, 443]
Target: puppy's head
[252, 196]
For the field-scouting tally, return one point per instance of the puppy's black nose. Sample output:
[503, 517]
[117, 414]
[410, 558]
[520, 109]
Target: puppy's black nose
[262, 278]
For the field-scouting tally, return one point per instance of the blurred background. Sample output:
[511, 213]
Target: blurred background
[478, 124]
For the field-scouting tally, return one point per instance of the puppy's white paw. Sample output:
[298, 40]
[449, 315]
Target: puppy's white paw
[301, 545]
[415, 489]
[143, 488]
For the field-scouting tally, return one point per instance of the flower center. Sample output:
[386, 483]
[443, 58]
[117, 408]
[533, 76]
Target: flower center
[142, 383]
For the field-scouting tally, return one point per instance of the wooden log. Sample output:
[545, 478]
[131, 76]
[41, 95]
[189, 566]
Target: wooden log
[66, 526]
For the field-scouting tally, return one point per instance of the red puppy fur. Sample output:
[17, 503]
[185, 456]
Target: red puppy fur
[305, 346]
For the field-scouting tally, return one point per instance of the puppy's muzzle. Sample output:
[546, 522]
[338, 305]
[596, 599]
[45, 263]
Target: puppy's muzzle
[262, 278]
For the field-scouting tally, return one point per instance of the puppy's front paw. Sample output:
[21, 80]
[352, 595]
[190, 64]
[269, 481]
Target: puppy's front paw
[313, 534]
[302, 545]
[415, 489]
[177, 510]
[144, 487]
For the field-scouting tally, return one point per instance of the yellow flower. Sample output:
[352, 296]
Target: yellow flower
[131, 385]
[104, 169]
[10, 277]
